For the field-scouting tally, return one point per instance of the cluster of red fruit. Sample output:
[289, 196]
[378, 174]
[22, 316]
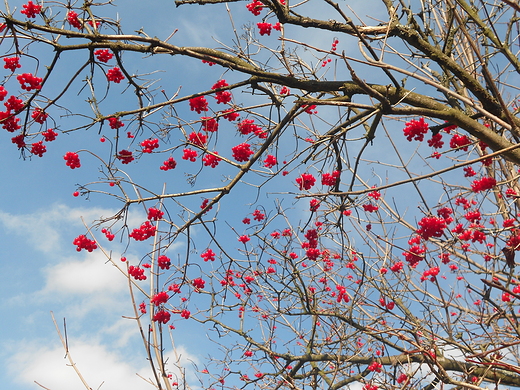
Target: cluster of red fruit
[82, 242]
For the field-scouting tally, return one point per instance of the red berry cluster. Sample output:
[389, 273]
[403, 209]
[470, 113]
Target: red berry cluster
[31, 10]
[486, 183]
[436, 141]
[210, 160]
[222, 96]
[247, 126]
[305, 181]
[149, 145]
[370, 208]
[255, 7]
[415, 130]
[38, 148]
[103, 55]
[243, 239]
[310, 109]
[185, 314]
[14, 104]
[39, 116]
[431, 227]
[209, 124]
[9, 122]
[431, 274]
[198, 139]
[72, 160]
[115, 123]
[49, 135]
[230, 115]
[198, 283]
[82, 242]
[284, 91]
[209, 255]
[460, 142]
[168, 164]
[162, 316]
[314, 205]
[264, 28]
[160, 298]
[136, 272]
[189, 154]
[19, 141]
[154, 214]
[108, 234]
[72, 18]
[270, 161]
[125, 156]
[115, 75]
[29, 82]
[145, 231]
[198, 104]
[330, 179]
[204, 204]
[242, 152]
[164, 262]
[12, 63]
[258, 215]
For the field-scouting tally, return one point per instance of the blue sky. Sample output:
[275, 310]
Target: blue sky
[39, 217]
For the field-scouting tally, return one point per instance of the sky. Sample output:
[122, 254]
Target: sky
[43, 275]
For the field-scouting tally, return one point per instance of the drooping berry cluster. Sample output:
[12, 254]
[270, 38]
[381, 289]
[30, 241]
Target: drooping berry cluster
[168, 164]
[154, 214]
[415, 130]
[49, 135]
[198, 139]
[72, 160]
[29, 82]
[108, 234]
[145, 231]
[189, 154]
[115, 123]
[330, 179]
[31, 10]
[209, 124]
[149, 145]
[306, 181]
[103, 55]
[136, 272]
[125, 156]
[242, 152]
[210, 160]
[38, 148]
[209, 255]
[12, 63]
[222, 96]
[39, 116]
[198, 104]
[115, 75]
[82, 242]
[72, 18]
[164, 262]
[270, 161]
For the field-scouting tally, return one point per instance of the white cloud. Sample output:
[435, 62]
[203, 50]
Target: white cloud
[43, 229]
[100, 366]
[92, 275]
[97, 364]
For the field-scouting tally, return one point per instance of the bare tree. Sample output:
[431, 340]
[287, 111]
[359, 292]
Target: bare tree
[397, 122]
